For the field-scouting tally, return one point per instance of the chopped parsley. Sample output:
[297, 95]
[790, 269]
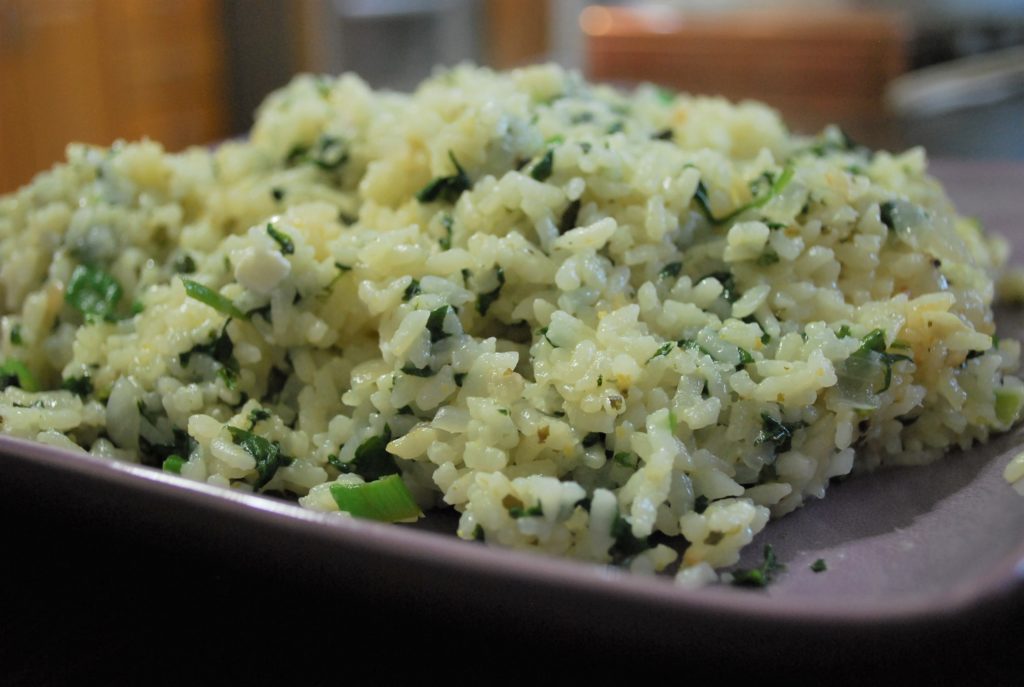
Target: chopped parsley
[779, 185]
[819, 565]
[173, 463]
[185, 264]
[16, 339]
[625, 459]
[626, 544]
[517, 512]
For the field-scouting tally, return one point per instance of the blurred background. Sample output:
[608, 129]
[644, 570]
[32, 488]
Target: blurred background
[948, 74]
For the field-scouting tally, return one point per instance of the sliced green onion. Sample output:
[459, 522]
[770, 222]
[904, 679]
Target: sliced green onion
[386, 499]
[1008, 405]
[173, 463]
[16, 373]
[205, 294]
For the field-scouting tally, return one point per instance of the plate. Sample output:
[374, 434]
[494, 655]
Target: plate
[913, 555]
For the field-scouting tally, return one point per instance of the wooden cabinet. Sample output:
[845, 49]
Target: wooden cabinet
[99, 70]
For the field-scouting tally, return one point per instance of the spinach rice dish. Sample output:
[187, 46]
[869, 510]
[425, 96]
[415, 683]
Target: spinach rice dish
[581, 318]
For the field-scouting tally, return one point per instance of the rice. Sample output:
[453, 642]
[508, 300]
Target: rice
[579, 317]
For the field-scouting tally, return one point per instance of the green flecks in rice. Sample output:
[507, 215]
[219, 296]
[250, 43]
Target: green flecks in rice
[579, 317]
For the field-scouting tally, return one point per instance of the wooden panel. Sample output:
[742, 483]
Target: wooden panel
[517, 32]
[98, 70]
[816, 67]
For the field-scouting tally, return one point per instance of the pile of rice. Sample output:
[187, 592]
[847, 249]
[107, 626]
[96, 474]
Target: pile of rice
[578, 317]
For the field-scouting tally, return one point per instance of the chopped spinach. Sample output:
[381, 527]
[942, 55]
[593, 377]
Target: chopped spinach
[517, 512]
[411, 290]
[626, 544]
[93, 292]
[484, 300]
[542, 170]
[780, 184]
[435, 324]
[671, 270]
[728, 282]
[267, 454]
[569, 217]
[372, 459]
[664, 349]
[414, 371]
[625, 459]
[185, 264]
[80, 386]
[761, 575]
[777, 432]
[819, 565]
[700, 504]
[283, 240]
[173, 463]
[460, 377]
[447, 188]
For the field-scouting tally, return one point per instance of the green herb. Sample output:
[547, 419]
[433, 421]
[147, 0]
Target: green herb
[776, 432]
[626, 544]
[386, 499]
[844, 332]
[435, 324]
[728, 282]
[625, 459]
[543, 331]
[671, 270]
[329, 153]
[569, 217]
[16, 339]
[691, 345]
[155, 454]
[459, 377]
[173, 463]
[745, 357]
[484, 300]
[267, 454]
[229, 377]
[336, 463]
[780, 184]
[761, 575]
[517, 512]
[664, 349]
[447, 221]
[411, 369]
[447, 188]
[16, 373]
[277, 194]
[662, 135]
[700, 504]
[873, 341]
[185, 264]
[542, 170]
[592, 438]
[372, 459]
[616, 127]
[93, 292]
[411, 290]
[257, 415]
[219, 347]
[769, 257]
[819, 565]
[282, 239]
[205, 294]
[80, 386]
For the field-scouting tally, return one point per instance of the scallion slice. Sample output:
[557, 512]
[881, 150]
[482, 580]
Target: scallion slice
[386, 499]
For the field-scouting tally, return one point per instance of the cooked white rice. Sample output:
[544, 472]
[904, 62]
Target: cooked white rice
[578, 317]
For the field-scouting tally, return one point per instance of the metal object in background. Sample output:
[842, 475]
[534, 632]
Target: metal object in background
[970, 107]
[393, 43]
